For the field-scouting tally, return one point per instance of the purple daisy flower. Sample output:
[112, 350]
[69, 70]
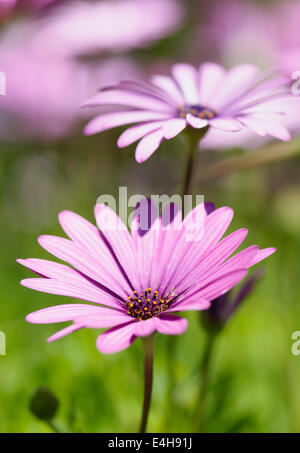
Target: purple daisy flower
[210, 97]
[138, 280]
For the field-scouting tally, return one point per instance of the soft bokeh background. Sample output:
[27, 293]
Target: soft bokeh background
[47, 165]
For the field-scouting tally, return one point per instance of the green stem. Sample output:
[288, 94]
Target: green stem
[148, 343]
[193, 139]
[204, 376]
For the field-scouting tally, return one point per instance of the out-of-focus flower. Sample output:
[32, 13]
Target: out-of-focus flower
[238, 32]
[113, 25]
[255, 32]
[222, 308]
[139, 279]
[209, 97]
[43, 92]
[287, 37]
[10, 6]
[6, 6]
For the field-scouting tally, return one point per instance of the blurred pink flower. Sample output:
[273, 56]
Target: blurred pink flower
[9, 6]
[44, 92]
[209, 97]
[139, 279]
[87, 27]
[6, 6]
[265, 34]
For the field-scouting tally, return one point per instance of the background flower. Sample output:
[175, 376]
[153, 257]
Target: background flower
[210, 97]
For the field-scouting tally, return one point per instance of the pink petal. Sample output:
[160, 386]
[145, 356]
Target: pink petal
[173, 127]
[211, 76]
[88, 236]
[67, 312]
[235, 83]
[276, 129]
[145, 328]
[116, 339]
[262, 254]
[253, 124]
[187, 78]
[65, 288]
[226, 124]
[120, 241]
[135, 133]
[195, 122]
[78, 257]
[63, 332]
[221, 285]
[148, 145]
[198, 269]
[214, 227]
[145, 231]
[190, 303]
[168, 85]
[170, 324]
[110, 318]
[110, 120]
[130, 99]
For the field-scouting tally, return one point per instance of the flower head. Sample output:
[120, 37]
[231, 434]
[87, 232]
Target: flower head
[210, 97]
[138, 280]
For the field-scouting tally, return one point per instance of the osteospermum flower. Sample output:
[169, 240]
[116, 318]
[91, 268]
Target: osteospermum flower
[138, 280]
[210, 97]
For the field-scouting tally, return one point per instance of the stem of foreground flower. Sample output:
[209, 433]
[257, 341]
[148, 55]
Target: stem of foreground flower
[148, 343]
[205, 369]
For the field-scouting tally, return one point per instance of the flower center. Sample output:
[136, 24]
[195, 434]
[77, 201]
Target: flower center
[148, 304]
[199, 111]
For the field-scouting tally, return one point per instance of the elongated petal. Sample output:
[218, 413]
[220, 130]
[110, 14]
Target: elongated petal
[67, 312]
[63, 332]
[235, 83]
[262, 254]
[110, 120]
[89, 237]
[119, 241]
[135, 133]
[226, 124]
[116, 339]
[173, 127]
[171, 325]
[77, 256]
[187, 78]
[221, 285]
[130, 99]
[148, 145]
[65, 288]
[195, 122]
[167, 84]
[192, 303]
[211, 76]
